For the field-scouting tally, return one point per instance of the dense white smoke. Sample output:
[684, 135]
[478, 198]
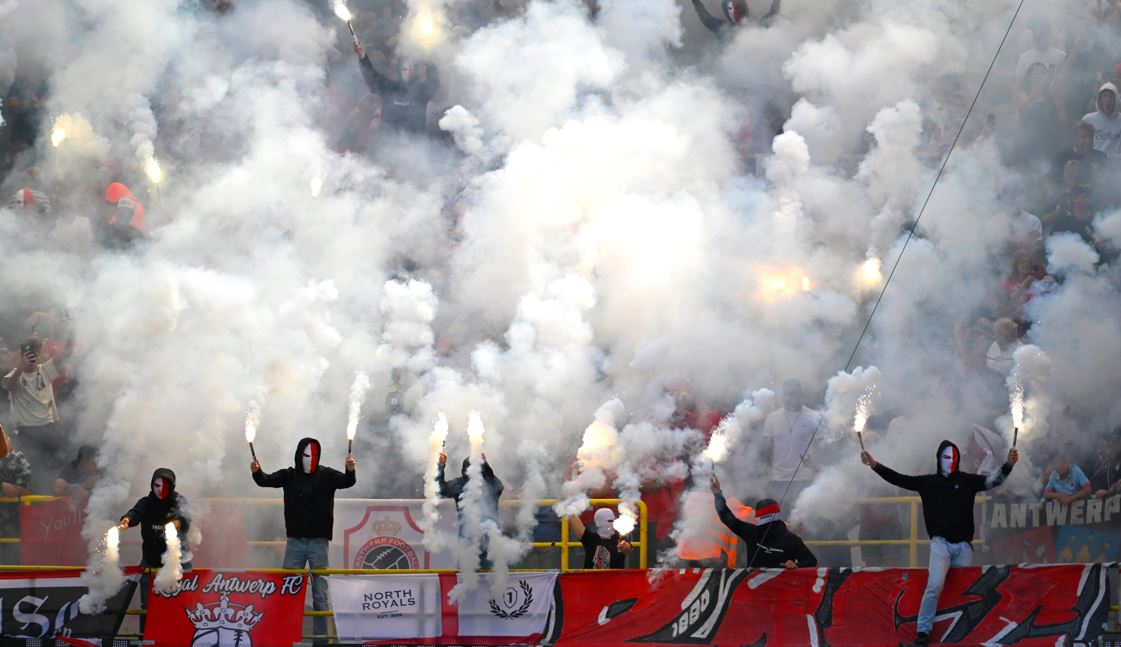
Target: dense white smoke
[617, 222]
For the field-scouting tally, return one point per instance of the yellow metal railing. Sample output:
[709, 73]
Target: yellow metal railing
[912, 540]
[564, 545]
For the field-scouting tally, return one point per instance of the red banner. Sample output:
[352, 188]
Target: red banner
[830, 607]
[228, 608]
[51, 533]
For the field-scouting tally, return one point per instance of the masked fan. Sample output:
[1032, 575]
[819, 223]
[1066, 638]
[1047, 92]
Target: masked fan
[947, 507]
[162, 506]
[309, 513]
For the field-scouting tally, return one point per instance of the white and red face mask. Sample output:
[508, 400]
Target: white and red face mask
[948, 461]
[732, 11]
[310, 458]
[161, 488]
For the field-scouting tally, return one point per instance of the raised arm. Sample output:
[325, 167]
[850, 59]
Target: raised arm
[904, 481]
[734, 523]
[375, 80]
[711, 22]
[441, 482]
[348, 478]
[278, 478]
[575, 526]
[996, 478]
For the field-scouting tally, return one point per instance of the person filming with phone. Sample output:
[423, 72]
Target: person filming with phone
[34, 411]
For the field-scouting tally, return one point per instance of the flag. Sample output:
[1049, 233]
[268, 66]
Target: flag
[520, 609]
[383, 607]
[51, 533]
[228, 608]
[45, 605]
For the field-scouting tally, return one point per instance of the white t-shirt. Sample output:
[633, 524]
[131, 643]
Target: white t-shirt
[32, 397]
[1001, 360]
[791, 433]
[1052, 57]
[1107, 132]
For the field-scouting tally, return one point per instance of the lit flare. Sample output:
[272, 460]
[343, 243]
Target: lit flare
[153, 171]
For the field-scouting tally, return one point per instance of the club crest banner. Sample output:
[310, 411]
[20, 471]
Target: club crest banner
[388, 534]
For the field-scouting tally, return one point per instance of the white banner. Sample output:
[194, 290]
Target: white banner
[388, 534]
[385, 607]
[522, 609]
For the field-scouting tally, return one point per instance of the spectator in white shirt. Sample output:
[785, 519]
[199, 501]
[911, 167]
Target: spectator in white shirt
[791, 430]
[1051, 57]
[1007, 335]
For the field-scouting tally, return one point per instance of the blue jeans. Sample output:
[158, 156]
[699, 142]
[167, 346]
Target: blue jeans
[312, 552]
[943, 555]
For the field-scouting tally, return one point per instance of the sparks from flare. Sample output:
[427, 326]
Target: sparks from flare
[475, 432]
[439, 434]
[316, 185]
[252, 420]
[1016, 400]
[342, 11]
[112, 549]
[344, 14]
[863, 411]
[153, 171]
[805, 284]
[357, 394]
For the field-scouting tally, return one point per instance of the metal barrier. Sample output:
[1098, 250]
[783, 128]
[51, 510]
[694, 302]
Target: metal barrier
[912, 541]
[564, 544]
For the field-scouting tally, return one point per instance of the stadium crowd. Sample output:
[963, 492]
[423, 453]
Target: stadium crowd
[1063, 92]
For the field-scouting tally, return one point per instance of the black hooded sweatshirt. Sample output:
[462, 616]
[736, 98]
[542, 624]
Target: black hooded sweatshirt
[152, 514]
[455, 488]
[769, 545]
[404, 103]
[947, 499]
[309, 499]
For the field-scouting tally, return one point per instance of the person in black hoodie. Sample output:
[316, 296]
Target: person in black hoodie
[735, 12]
[457, 488]
[162, 506]
[947, 507]
[405, 98]
[770, 544]
[309, 514]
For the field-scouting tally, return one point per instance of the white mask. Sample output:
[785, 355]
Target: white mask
[310, 459]
[946, 461]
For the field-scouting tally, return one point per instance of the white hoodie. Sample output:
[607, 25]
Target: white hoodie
[1107, 127]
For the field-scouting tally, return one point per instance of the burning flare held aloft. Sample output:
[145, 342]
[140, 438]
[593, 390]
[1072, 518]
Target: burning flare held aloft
[869, 275]
[153, 171]
[717, 448]
[357, 395]
[58, 133]
[253, 417]
[1016, 404]
[475, 432]
[343, 12]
